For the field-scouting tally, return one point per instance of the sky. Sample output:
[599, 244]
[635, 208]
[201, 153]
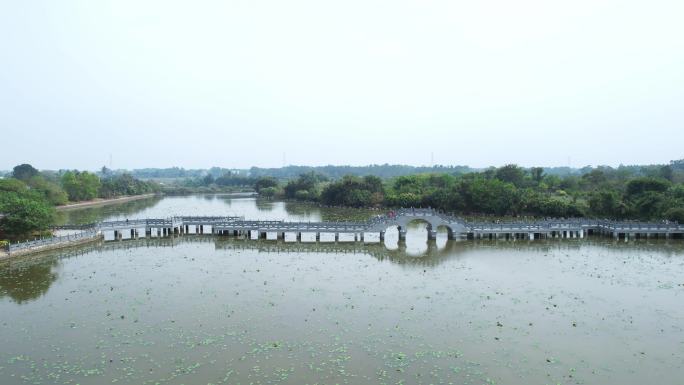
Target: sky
[195, 84]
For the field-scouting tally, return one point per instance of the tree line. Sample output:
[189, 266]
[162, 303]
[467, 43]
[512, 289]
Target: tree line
[603, 192]
[28, 196]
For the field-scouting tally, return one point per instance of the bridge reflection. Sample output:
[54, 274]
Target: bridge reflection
[27, 279]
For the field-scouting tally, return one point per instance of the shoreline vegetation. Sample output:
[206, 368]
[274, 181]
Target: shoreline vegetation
[30, 198]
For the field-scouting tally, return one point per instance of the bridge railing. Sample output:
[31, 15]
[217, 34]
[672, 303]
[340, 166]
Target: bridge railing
[549, 224]
[646, 226]
[85, 226]
[209, 219]
[132, 223]
[294, 226]
[42, 242]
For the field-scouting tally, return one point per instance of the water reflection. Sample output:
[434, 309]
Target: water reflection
[27, 280]
[107, 212]
[265, 205]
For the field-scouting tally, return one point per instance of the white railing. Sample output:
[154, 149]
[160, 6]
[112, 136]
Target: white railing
[42, 242]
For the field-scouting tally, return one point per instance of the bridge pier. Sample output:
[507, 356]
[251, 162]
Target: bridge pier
[308, 237]
[432, 235]
[372, 237]
[290, 236]
[346, 237]
[326, 237]
[402, 235]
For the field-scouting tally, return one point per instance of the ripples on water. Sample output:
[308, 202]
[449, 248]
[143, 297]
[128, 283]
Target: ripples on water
[205, 310]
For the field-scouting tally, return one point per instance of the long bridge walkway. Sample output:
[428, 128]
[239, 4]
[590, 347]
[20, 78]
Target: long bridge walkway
[371, 231]
[374, 230]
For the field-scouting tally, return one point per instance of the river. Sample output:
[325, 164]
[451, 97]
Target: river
[208, 310]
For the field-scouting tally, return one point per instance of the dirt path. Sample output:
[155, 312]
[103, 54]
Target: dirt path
[102, 202]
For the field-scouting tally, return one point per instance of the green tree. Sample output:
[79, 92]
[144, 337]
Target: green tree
[302, 195]
[24, 210]
[666, 172]
[265, 182]
[641, 185]
[24, 172]
[595, 177]
[605, 203]
[80, 185]
[675, 214]
[488, 196]
[124, 184]
[305, 182]
[208, 180]
[354, 191]
[537, 174]
[24, 216]
[268, 192]
[52, 192]
[511, 173]
[649, 205]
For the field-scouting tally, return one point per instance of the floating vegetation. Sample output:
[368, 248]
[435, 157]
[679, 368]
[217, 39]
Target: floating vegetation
[197, 312]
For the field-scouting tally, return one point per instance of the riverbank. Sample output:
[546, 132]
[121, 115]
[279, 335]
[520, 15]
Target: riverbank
[103, 202]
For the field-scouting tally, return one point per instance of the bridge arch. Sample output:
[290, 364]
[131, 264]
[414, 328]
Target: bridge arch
[434, 221]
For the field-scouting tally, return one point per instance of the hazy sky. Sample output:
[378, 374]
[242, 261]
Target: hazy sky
[242, 83]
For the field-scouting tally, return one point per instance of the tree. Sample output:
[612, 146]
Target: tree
[305, 182]
[124, 184]
[538, 204]
[354, 191]
[675, 214]
[52, 192]
[488, 196]
[666, 172]
[24, 216]
[302, 195]
[24, 210]
[511, 173]
[24, 172]
[641, 185]
[208, 180]
[595, 177]
[605, 203]
[81, 185]
[537, 174]
[265, 182]
[268, 192]
[105, 172]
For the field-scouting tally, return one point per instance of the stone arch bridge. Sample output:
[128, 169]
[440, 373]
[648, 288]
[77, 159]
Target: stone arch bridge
[434, 219]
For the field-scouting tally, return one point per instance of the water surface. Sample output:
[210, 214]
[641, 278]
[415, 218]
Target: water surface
[207, 310]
